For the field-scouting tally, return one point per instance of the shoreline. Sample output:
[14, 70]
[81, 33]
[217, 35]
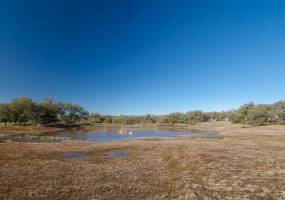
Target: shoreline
[18, 129]
[221, 127]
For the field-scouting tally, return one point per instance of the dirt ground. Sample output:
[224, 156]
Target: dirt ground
[243, 163]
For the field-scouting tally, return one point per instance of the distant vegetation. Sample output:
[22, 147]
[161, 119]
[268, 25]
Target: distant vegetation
[249, 114]
[26, 111]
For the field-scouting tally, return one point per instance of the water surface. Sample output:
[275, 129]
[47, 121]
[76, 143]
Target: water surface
[126, 134]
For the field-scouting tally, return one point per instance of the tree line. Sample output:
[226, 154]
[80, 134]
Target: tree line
[27, 111]
[260, 114]
[249, 114]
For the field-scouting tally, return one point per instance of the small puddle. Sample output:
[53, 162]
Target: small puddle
[118, 154]
[74, 155]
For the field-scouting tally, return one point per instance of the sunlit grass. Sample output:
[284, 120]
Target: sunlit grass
[17, 126]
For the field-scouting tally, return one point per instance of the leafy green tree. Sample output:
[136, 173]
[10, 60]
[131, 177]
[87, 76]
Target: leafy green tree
[175, 118]
[197, 116]
[5, 113]
[107, 119]
[21, 110]
[73, 113]
[96, 118]
[260, 115]
[148, 118]
[241, 115]
[50, 111]
[280, 110]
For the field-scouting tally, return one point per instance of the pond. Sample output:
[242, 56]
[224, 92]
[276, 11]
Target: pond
[127, 134]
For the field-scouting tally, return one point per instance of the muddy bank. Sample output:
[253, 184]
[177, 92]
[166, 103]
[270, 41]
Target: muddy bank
[18, 129]
[206, 126]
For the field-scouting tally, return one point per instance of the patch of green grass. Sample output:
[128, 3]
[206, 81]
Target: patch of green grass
[175, 169]
[200, 136]
[150, 139]
[17, 126]
[204, 136]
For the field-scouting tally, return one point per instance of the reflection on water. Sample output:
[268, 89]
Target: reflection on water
[125, 134]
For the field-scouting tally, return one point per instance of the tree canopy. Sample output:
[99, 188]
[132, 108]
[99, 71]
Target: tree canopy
[24, 110]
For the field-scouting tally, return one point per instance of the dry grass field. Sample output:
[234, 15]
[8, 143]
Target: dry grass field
[242, 163]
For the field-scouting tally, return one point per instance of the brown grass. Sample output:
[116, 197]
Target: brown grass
[33, 129]
[246, 163]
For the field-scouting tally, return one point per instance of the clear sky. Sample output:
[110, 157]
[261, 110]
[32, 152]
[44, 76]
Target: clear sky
[140, 56]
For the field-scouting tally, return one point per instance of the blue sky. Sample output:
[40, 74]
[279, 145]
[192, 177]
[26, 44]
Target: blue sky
[136, 57]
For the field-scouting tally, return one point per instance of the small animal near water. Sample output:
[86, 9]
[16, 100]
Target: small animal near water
[125, 132]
